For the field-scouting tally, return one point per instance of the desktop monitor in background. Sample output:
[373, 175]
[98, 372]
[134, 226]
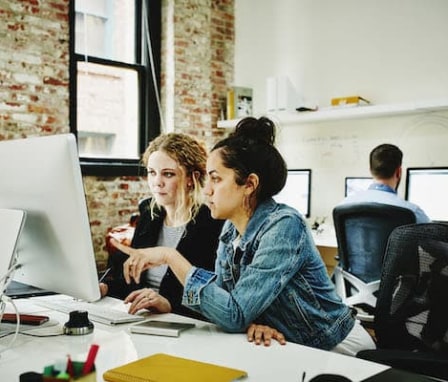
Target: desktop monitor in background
[42, 176]
[354, 184]
[297, 191]
[428, 188]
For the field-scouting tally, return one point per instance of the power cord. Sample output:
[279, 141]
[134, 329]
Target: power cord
[3, 300]
[7, 275]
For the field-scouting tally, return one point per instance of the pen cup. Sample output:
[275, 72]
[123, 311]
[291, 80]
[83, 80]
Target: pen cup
[91, 377]
[77, 375]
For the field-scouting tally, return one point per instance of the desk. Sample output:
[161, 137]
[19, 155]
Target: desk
[327, 245]
[205, 343]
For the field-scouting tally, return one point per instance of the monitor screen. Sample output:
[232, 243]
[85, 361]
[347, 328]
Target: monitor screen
[428, 188]
[354, 184]
[297, 191]
[42, 176]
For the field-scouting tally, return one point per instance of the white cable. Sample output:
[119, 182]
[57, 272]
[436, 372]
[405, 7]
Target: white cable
[10, 270]
[151, 61]
[3, 300]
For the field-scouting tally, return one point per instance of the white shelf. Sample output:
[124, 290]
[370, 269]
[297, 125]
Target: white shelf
[355, 112]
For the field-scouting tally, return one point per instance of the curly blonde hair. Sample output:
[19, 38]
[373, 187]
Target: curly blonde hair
[191, 156]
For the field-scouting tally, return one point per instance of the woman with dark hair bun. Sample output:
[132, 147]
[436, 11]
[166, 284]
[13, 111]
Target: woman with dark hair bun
[268, 272]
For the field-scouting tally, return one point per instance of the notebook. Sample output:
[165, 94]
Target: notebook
[161, 328]
[167, 368]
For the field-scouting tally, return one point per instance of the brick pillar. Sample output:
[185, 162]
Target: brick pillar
[197, 64]
[34, 74]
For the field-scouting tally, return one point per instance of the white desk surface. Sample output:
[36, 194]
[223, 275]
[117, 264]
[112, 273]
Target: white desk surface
[205, 343]
[325, 237]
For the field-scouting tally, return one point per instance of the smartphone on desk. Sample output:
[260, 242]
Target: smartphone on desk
[26, 319]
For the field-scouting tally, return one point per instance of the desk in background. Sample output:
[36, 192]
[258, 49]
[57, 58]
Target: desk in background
[327, 245]
[205, 343]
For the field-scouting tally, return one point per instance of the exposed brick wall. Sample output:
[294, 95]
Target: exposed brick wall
[34, 73]
[201, 63]
[111, 202]
[34, 80]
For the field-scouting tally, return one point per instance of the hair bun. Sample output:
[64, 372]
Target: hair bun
[261, 129]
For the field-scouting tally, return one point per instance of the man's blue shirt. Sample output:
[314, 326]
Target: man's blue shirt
[381, 193]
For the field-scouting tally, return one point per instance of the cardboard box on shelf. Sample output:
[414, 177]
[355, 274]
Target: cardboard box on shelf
[349, 101]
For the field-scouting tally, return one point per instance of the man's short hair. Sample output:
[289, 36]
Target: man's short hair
[384, 160]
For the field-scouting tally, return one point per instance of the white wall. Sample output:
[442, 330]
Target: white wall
[389, 51]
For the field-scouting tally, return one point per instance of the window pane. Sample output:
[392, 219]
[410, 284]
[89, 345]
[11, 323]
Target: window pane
[107, 111]
[106, 29]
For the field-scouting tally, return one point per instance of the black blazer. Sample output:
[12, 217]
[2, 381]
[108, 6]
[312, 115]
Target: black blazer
[198, 245]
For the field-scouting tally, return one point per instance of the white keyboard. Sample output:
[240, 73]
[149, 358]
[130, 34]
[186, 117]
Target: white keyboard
[96, 312]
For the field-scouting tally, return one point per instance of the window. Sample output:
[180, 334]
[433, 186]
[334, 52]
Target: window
[115, 67]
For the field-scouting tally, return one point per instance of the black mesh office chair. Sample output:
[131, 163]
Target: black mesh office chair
[411, 315]
[362, 231]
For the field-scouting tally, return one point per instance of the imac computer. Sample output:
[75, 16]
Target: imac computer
[428, 188]
[42, 177]
[297, 191]
[354, 184]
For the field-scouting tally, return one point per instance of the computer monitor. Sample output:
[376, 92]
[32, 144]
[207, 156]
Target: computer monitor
[42, 176]
[11, 224]
[297, 191]
[354, 184]
[428, 188]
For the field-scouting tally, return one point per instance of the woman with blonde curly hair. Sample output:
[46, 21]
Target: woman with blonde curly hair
[173, 216]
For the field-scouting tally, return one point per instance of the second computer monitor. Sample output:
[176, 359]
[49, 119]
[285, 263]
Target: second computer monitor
[428, 188]
[354, 184]
[297, 191]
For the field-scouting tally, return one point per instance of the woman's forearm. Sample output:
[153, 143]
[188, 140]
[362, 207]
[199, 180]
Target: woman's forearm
[145, 258]
[178, 264]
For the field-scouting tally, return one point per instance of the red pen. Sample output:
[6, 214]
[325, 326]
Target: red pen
[90, 361]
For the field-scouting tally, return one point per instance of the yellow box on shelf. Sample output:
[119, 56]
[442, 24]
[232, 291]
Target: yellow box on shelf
[349, 101]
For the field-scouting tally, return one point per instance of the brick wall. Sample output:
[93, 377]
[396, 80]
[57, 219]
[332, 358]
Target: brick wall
[34, 79]
[34, 74]
[200, 67]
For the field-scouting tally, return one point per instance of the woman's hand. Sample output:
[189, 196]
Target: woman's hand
[147, 298]
[263, 333]
[140, 259]
[104, 288]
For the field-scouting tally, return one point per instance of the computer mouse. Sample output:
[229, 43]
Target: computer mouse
[329, 378]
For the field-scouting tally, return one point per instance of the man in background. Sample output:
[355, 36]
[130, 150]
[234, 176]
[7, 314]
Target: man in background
[385, 167]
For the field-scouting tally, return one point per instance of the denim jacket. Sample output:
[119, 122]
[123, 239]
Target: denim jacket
[274, 277]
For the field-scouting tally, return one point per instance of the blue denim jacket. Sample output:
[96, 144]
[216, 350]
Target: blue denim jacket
[274, 277]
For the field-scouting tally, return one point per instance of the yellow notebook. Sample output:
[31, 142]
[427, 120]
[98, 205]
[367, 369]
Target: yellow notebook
[167, 368]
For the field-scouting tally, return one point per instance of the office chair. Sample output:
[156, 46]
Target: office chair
[362, 231]
[411, 315]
